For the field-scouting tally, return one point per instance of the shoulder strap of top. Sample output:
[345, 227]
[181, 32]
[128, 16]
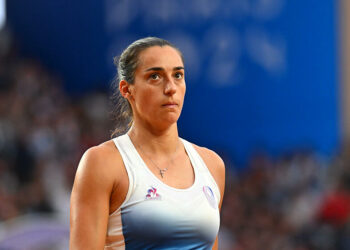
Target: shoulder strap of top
[126, 151]
[201, 167]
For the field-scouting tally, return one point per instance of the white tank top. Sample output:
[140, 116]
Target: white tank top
[157, 216]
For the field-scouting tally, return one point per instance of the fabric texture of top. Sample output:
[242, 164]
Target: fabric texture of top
[157, 216]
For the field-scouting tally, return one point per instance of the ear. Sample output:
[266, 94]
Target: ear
[125, 89]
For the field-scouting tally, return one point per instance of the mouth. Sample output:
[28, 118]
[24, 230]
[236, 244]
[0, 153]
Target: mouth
[170, 105]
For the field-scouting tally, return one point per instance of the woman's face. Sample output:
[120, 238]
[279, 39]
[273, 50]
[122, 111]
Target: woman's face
[159, 87]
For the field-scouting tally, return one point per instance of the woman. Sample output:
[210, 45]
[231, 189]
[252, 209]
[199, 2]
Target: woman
[148, 189]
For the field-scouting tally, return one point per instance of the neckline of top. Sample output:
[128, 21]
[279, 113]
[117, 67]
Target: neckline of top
[144, 165]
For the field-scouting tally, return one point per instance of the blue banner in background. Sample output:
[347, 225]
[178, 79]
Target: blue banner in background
[259, 73]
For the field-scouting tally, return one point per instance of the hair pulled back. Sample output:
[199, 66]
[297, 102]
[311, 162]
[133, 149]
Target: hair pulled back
[127, 64]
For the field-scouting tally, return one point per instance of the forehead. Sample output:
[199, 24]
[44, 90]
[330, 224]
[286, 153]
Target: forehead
[156, 56]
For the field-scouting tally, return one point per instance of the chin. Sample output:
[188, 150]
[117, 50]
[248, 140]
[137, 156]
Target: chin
[169, 121]
[173, 118]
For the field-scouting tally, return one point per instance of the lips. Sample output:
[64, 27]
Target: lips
[170, 104]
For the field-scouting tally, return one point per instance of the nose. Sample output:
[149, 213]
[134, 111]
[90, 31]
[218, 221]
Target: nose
[170, 86]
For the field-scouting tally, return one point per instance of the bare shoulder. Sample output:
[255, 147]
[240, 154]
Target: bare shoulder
[101, 164]
[105, 153]
[102, 155]
[211, 158]
[98, 173]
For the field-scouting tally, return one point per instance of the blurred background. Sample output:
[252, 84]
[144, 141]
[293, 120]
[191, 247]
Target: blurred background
[267, 89]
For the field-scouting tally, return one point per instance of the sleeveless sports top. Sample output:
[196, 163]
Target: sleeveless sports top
[157, 216]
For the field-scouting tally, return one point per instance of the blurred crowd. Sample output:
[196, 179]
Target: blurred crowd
[43, 133]
[300, 201]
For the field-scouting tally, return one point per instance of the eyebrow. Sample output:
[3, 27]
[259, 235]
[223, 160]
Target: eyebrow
[162, 69]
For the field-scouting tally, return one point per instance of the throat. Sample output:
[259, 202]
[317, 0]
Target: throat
[162, 145]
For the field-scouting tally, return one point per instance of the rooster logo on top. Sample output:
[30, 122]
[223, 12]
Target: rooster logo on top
[152, 194]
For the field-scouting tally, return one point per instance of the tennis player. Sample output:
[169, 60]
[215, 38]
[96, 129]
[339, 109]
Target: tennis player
[148, 188]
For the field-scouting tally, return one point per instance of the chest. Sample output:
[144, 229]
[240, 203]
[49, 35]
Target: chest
[178, 173]
[159, 213]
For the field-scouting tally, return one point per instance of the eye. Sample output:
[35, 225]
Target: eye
[178, 75]
[154, 76]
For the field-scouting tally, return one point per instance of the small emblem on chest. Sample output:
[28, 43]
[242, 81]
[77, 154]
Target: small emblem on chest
[209, 194]
[152, 194]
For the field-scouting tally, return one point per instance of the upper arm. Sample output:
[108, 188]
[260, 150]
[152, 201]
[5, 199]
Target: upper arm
[218, 171]
[216, 167]
[90, 197]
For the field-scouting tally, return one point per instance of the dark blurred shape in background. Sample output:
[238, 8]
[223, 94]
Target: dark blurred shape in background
[263, 77]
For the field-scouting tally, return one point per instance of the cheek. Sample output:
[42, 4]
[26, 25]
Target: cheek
[182, 90]
[145, 99]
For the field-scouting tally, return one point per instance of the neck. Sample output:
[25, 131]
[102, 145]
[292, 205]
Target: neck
[155, 141]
